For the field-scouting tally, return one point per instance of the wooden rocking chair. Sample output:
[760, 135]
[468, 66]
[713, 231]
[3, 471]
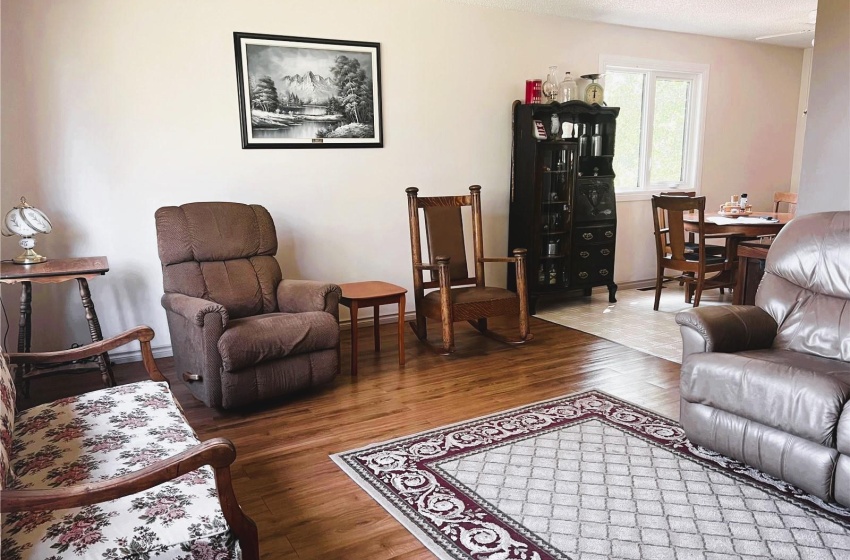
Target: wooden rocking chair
[460, 297]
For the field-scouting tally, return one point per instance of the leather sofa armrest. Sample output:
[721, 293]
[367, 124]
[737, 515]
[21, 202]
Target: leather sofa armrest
[725, 328]
[298, 296]
[194, 309]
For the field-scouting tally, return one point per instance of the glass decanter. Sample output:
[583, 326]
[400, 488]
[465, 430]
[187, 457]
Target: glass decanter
[550, 86]
[568, 89]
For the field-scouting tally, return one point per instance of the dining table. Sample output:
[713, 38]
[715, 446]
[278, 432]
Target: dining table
[736, 229]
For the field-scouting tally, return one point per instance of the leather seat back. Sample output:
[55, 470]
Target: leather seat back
[806, 285]
[222, 252]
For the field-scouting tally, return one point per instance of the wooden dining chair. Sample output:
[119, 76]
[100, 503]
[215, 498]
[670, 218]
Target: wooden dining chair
[789, 198]
[671, 253]
[690, 244]
[459, 296]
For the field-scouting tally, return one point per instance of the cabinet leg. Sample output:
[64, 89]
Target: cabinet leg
[612, 292]
[532, 305]
[587, 291]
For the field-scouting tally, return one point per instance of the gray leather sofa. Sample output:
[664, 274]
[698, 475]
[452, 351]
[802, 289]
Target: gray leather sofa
[769, 384]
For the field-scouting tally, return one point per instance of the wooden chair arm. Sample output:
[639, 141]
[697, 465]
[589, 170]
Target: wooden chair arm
[497, 259]
[142, 333]
[218, 453]
[519, 254]
[426, 266]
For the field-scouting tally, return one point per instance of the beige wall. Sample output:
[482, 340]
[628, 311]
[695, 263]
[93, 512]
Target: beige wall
[113, 109]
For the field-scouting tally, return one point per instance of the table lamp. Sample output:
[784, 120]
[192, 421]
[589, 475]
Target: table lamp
[26, 221]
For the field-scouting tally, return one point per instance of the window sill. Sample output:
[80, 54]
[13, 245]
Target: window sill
[641, 195]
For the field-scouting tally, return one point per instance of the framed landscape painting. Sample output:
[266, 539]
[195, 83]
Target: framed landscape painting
[296, 92]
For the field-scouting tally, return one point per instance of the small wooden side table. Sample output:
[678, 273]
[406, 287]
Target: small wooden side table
[55, 271]
[751, 259]
[373, 293]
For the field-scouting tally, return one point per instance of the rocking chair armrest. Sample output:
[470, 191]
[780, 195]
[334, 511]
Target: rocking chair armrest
[219, 453]
[425, 266]
[143, 334]
[518, 254]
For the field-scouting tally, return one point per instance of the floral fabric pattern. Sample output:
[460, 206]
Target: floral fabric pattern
[7, 419]
[98, 436]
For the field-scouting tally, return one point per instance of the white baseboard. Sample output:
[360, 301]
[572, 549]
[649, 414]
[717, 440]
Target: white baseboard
[128, 356]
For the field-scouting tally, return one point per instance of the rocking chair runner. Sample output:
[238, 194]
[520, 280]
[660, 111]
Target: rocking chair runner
[460, 297]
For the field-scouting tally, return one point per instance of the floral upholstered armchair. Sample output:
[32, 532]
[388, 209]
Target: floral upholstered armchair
[115, 473]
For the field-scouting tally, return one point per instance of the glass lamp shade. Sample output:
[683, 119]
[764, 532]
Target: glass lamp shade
[26, 221]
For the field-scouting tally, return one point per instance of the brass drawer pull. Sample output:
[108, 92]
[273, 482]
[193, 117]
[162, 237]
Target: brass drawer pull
[587, 236]
[609, 234]
[584, 254]
[603, 272]
[582, 275]
[605, 252]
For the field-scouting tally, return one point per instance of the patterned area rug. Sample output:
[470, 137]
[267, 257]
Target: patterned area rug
[588, 476]
[631, 321]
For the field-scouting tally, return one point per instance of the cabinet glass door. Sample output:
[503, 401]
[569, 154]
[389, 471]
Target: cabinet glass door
[556, 164]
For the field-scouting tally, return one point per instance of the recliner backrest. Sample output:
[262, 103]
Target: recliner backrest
[806, 285]
[222, 252]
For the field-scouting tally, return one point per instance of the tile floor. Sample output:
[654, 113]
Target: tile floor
[631, 321]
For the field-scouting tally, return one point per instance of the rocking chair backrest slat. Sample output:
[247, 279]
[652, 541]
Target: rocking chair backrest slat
[444, 230]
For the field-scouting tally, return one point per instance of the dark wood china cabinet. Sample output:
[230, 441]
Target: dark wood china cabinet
[563, 208]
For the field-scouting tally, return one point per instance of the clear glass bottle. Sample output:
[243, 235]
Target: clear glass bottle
[550, 86]
[568, 89]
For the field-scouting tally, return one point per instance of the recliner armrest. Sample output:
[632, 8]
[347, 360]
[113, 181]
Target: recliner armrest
[298, 296]
[726, 328]
[194, 309]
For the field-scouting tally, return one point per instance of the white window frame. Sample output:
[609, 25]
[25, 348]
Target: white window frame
[692, 163]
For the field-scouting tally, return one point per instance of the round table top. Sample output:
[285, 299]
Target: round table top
[370, 289]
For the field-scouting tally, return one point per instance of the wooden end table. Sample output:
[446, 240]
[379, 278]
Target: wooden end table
[55, 271]
[751, 258]
[373, 293]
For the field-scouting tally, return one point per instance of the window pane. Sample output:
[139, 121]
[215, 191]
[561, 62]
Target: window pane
[626, 90]
[669, 130]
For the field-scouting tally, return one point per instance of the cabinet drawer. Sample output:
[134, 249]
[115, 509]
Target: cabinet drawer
[595, 234]
[593, 271]
[593, 254]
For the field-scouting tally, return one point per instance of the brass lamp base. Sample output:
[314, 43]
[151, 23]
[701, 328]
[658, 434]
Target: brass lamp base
[29, 257]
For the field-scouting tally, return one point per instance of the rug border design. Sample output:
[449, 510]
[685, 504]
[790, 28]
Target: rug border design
[649, 426]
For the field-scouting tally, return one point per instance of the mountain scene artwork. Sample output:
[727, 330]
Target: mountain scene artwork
[310, 93]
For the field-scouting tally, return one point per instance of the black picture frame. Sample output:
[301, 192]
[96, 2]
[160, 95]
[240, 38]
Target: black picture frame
[290, 94]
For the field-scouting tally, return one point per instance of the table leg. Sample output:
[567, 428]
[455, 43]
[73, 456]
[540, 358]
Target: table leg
[354, 337]
[24, 336]
[95, 332]
[376, 325]
[401, 305]
[738, 294]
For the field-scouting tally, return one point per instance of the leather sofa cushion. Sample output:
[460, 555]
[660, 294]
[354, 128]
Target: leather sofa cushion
[253, 340]
[801, 394]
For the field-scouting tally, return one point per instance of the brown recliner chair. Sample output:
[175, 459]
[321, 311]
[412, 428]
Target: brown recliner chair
[770, 384]
[240, 333]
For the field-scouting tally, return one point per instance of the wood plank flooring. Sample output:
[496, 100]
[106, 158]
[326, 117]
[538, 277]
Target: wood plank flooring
[305, 507]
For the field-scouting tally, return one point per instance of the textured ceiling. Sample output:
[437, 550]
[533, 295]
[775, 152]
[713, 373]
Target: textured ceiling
[733, 19]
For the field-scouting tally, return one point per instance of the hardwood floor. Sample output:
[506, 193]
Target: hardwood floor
[305, 507]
